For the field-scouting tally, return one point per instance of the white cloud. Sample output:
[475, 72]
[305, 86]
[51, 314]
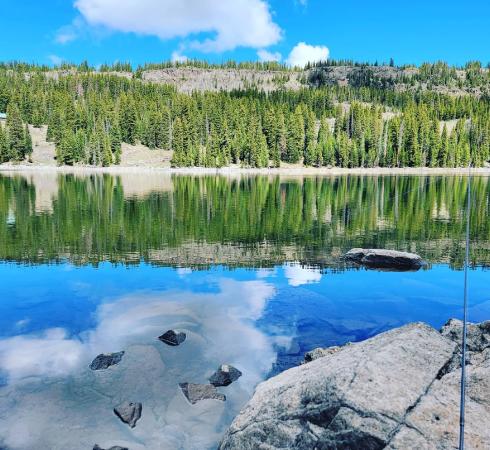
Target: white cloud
[232, 24]
[55, 59]
[178, 57]
[50, 354]
[303, 53]
[265, 56]
[70, 32]
[298, 275]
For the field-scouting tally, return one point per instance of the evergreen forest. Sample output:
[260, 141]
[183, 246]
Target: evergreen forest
[370, 121]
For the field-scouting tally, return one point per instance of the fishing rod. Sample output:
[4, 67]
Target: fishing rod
[465, 317]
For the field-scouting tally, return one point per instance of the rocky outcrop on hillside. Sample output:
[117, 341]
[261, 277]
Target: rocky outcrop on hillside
[397, 390]
[190, 79]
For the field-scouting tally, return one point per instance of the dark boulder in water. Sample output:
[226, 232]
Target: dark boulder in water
[385, 259]
[172, 337]
[225, 375]
[196, 392]
[129, 412]
[105, 360]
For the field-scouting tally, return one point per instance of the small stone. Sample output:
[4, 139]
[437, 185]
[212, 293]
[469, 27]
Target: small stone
[320, 353]
[225, 375]
[105, 360]
[115, 447]
[196, 392]
[172, 338]
[129, 412]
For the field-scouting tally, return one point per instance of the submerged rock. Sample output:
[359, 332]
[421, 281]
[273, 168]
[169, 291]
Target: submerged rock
[196, 392]
[319, 353]
[129, 413]
[172, 338]
[105, 360]
[385, 259]
[115, 447]
[225, 375]
[396, 390]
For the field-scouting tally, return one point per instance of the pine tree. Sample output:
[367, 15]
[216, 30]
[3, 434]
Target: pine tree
[443, 156]
[178, 157]
[4, 145]
[296, 136]
[309, 154]
[27, 142]
[127, 120]
[16, 134]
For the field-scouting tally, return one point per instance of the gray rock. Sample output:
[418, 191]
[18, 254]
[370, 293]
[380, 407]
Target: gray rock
[477, 335]
[115, 447]
[128, 412]
[320, 353]
[196, 392]
[385, 259]
[391, 391]
[172, 337]
[225, 375]
[105, 360]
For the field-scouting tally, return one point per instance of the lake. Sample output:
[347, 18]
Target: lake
[250, 267]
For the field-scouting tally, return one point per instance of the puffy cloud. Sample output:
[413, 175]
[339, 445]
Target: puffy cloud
[246, 23]
[178, 57]
[298, 275]
[303, 53]
[70, 32]
[265, 56]
[55, 59]
[50, 354]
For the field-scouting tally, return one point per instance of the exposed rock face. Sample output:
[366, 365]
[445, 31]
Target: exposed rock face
[172, 337]
[129, 413]
[396, 390]
[196, 392]
[385, 259]
[105, 360]
[225, 375]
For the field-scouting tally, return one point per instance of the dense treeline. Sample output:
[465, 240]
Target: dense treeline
[253, 220]
[90, 115]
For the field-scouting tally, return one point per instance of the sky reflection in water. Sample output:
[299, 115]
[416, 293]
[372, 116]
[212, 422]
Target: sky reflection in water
[259, 320]
[55, 318]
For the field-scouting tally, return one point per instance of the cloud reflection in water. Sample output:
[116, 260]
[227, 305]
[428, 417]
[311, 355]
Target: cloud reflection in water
[60, 403]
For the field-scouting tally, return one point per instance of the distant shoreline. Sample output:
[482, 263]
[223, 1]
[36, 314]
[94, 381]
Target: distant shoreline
[290, 171]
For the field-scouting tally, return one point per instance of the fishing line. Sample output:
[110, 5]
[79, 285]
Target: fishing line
[465, 317]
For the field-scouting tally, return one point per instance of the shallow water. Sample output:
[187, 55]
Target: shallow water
[250, 268]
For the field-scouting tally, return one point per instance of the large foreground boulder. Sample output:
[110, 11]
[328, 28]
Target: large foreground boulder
[385, 259]
[398, 390]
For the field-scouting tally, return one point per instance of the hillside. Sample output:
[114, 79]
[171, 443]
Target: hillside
[334, 114]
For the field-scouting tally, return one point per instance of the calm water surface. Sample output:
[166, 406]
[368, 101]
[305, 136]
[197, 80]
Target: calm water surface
[249, 267]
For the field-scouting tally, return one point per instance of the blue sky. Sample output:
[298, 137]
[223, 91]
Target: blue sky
[217, 30]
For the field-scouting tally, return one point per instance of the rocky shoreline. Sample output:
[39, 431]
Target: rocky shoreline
[397, 390]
